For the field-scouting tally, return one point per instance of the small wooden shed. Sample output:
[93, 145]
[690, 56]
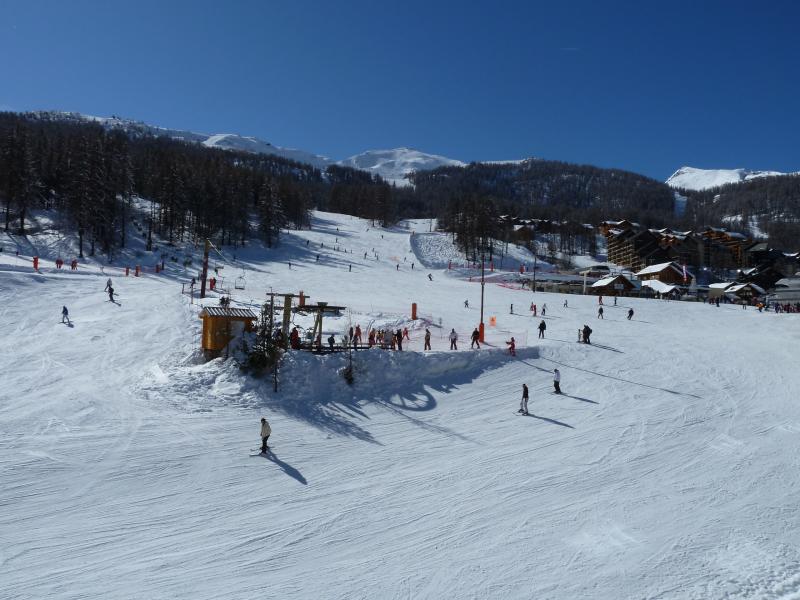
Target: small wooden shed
[221, 325]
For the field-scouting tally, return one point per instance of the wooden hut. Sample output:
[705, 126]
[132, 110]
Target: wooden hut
[613, 285]
[668, 272]
[221, 325]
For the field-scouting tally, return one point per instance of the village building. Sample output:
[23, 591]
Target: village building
[668, 272]
[613, 285]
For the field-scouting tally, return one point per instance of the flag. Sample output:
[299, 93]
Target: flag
[685, 278]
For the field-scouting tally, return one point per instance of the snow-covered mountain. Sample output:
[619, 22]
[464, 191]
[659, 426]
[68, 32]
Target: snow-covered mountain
[394, 165]
[690, 178]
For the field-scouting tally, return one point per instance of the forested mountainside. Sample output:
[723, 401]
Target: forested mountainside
[93, 173]
[546, 189]
[769, 204]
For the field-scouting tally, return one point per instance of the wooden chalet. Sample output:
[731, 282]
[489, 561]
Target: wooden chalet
[613, 285]
[668, 272]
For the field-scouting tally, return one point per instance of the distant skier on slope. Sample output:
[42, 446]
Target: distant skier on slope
[427, 339]
[266, 431]
[523, 403]
[466, 303]
[544, 309]
[566, 304]
[587, 332]
[108, 285]
[110, 294]
[542, 327]
[557, 380]
[600, 313]
[64, 314]
[630, 314]
[453, 340]
[430, 277]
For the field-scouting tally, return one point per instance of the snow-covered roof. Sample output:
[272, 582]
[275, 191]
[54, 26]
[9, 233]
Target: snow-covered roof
[740, 286]
[237, 313]
[659, 286]
[720, 286]
[605, 281]
[659, 268]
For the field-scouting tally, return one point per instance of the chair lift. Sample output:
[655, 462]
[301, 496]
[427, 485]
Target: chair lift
[239, 282]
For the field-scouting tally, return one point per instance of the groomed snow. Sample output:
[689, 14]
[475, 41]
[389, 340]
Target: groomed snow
[691, 178]
[669, 469]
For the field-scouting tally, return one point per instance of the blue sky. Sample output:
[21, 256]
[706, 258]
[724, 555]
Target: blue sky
[644, 86]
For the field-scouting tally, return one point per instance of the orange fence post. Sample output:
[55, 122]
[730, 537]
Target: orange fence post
[480, 332]
[302, 298]
[413, 311]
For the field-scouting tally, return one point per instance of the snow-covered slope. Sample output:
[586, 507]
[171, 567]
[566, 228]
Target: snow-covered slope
[231, 141]
[690, 178]
[668, 469]
[394, 165]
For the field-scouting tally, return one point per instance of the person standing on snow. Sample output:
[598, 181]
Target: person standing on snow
[331, 341]
[64, 314]
[542, 327]
[587, 332]
[630, 314]
[544, 309]
[512, 347]
[600, 313]
[523, 404]
[453, 340]
[266, 430]
[108, 285]
[427, 339]
[399, 336]
[466, 303]
[566, 304]
[557, 380]
[430, 277]
[475, 339]
[600, 300]
[405, 334]
[111, 293]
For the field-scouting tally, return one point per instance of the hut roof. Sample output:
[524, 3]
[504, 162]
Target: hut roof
[237, 313]
[659, 286]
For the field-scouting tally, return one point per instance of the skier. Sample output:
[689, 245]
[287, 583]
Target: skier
[475, 339]
[266, 430]
[398, 266]
[427, 339]
[108, 285]
[453, 340]
[331, 341]
[630, 314]
[544, 309]
[587, 332]
[358, 334]
[405, 334]
[534, 310]
[64, 314]
[512, 309]
[371, 338]
[600, 313]
[557, 380]
[565, 303]
[532, 306]
[542, 327]
[466, 303]
[110, 294]
[294, 339]
[430, 277]
[399, 336]
[349, 268]
[512, 347]
[615, 300]
[523, 404]
[600, 300]
[412, 266]
[191, 284]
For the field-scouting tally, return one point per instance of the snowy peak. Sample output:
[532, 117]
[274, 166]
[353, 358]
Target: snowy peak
[232, 141]
[394, 165]
[690, 178]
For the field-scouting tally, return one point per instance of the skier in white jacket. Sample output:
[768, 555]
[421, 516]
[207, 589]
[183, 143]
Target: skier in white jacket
[266, 430]
[453, 339]
[557, 380]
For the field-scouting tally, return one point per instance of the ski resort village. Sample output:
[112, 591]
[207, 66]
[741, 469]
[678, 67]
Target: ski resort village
[401, 301]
